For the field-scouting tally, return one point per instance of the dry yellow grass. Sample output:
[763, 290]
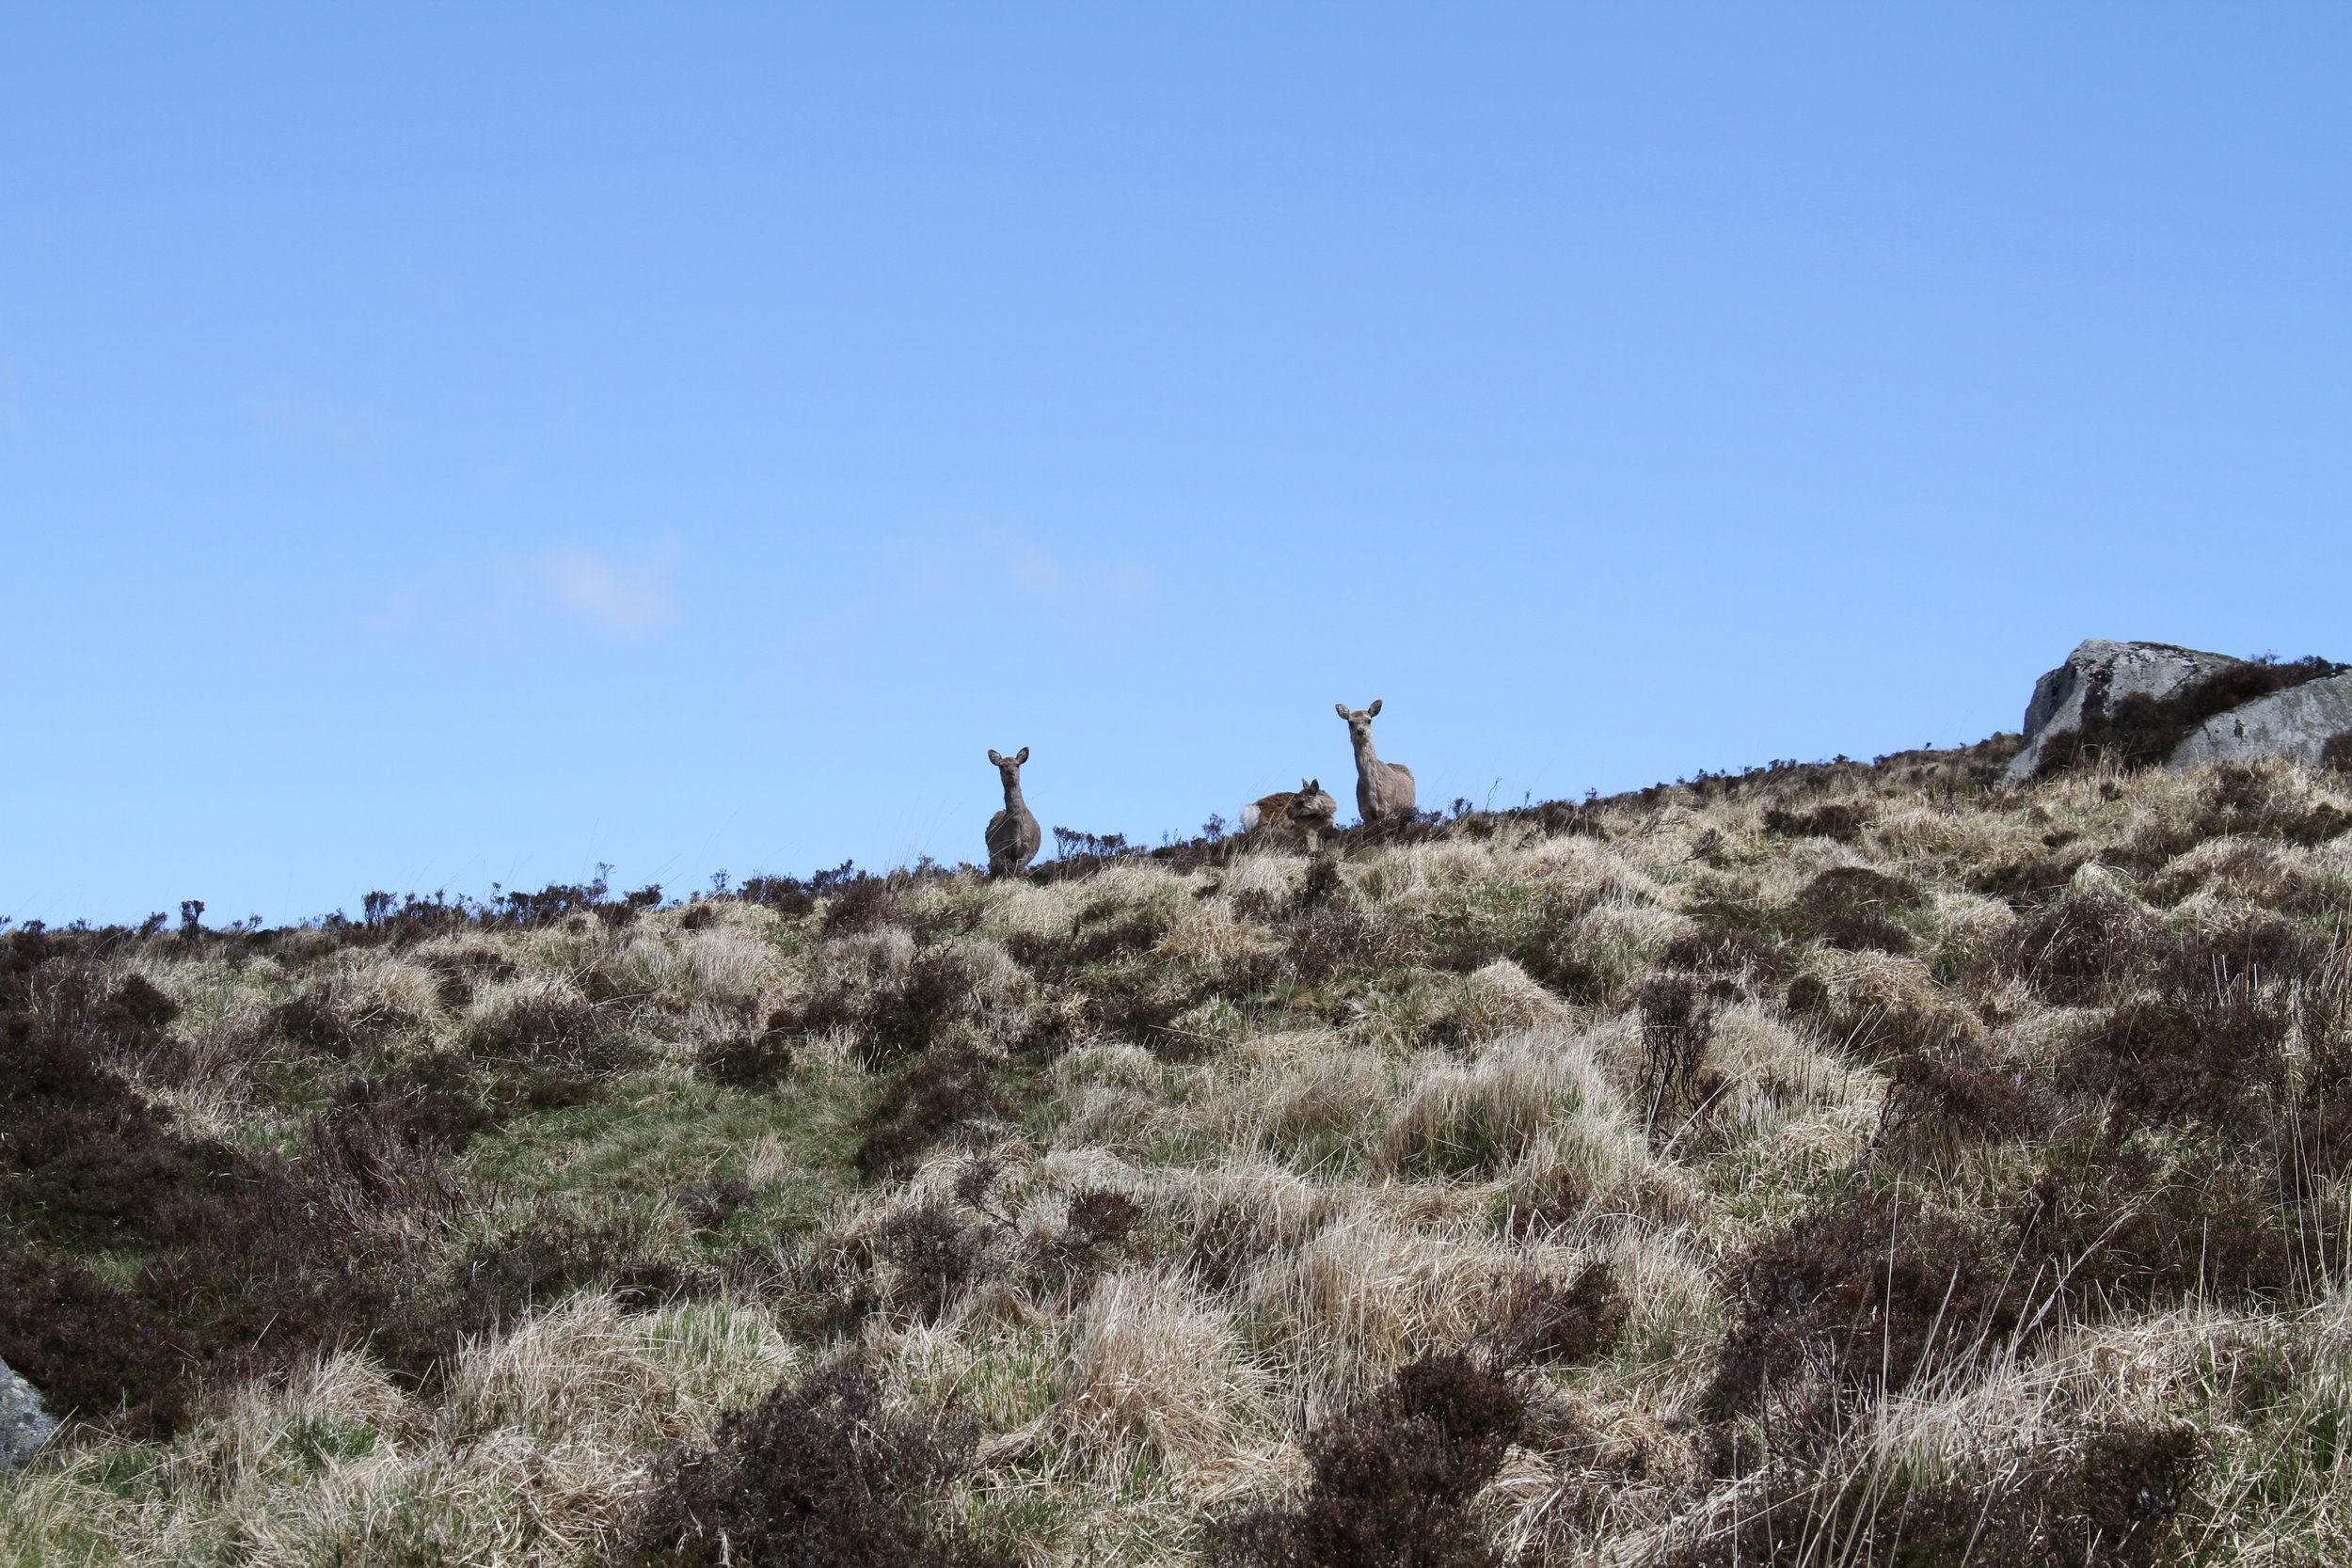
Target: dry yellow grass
[1338, 1171]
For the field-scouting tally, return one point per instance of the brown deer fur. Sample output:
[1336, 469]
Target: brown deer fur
[1384, 790]
[1013, 833]
[1300, 815]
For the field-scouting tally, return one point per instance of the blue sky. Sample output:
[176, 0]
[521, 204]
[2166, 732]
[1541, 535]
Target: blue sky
[443, 445]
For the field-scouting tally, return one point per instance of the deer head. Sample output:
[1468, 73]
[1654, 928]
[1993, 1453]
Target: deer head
[1360, 720]
[1009, 768]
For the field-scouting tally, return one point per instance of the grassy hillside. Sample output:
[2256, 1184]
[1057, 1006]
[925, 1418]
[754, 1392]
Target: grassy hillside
[1824, 1165]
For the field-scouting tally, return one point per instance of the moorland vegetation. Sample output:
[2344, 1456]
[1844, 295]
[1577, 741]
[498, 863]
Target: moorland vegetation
[1838, 1163]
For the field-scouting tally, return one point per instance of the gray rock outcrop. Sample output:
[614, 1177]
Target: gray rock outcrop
[2105, 673]
[24, 1421]
[2297, 723]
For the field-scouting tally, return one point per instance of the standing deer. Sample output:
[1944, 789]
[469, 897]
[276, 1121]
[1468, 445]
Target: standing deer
[1384, 790]
[1293, 815]
[1013, 833]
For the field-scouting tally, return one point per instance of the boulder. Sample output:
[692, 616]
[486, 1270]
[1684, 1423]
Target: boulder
[2098, 673]
[2297, 723]
[24, 1422]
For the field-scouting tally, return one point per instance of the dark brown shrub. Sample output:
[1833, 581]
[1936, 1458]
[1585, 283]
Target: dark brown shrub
[2205, 964]
[1100, 1219]
[2113, 1504]
[2149, 1223]
[1841, 820]
[2335, 756]
[905, 1014]
[556, 1256]
[310, 1020]
[935, 1256]
[1865, 1293]
[2084, 947]
[383, 1138]
[1953, 1094]
[751, 1060]
[1334, 940]
[2035, 877]
[1323, 882]
[1573, 1324]
[1394, 1477]
[135, 1015]
[928, 1102]
[1115, 933]
[817, 1475]
[1846, 888]
[91, 1350]
[552, 1027]
[2121, 1504]
[2243, 800]
[865, 904]
[1675, 1086]
[1850, 907]
[2204, 1062]
[457, 973]
[1740, 956]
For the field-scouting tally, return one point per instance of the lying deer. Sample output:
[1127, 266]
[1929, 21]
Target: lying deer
[1300, 815]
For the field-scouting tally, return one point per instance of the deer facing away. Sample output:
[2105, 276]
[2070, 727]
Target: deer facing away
[1013, 833]
[1384, 790]
[1300, 815]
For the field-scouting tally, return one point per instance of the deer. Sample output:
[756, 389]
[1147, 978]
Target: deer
[1302, 815]
[1384, 790]
[1013, 833]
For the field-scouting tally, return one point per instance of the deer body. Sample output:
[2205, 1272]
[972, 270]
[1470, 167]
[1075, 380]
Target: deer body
[1013, 833]
[1300, 815]
[1384, 790]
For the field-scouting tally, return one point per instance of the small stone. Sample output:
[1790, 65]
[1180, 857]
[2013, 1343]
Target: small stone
[24, 1421]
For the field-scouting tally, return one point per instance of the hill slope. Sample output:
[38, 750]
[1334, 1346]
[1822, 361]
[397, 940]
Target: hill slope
[1846, 1162]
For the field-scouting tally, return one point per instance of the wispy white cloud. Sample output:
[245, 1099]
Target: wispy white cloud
[625, 596]
[998, 565]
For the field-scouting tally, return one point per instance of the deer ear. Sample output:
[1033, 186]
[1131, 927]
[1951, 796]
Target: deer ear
[1024, 756]
[995, 759]
[1342, 708]
[1373, 712]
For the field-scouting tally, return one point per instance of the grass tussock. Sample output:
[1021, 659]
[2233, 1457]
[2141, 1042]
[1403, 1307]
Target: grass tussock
[1841, 1164]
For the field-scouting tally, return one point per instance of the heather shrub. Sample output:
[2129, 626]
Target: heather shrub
[2085, 947]
[93, 1351]
[1937, 1099]
[1575, 1322]
[1868, 1294]
[749, 1058]
[2209, 1061]
[931, 1101]
[1394, 1477]
[2150, 1222]
[817, 1475]
[1841, 821]
[1853, 908]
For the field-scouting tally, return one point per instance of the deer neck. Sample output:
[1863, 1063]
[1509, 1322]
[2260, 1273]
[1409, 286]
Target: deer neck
[1367, 760]
[1013, 797]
